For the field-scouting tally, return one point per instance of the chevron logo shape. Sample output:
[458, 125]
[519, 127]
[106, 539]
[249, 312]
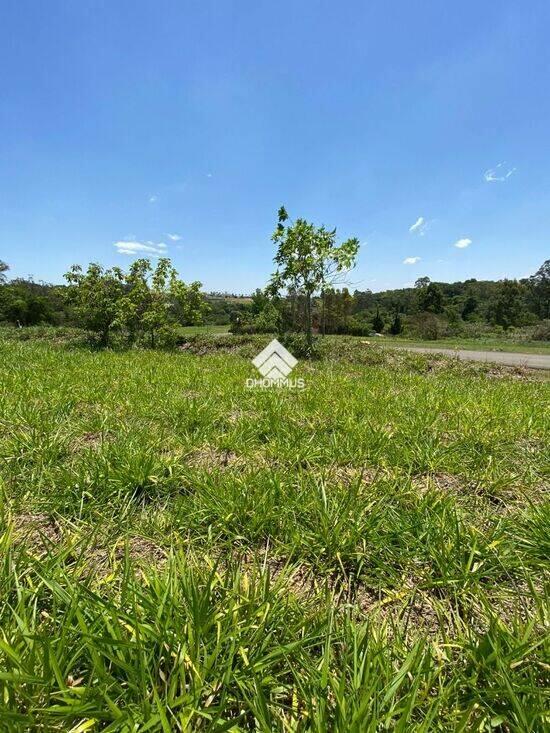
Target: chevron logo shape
[275, 362]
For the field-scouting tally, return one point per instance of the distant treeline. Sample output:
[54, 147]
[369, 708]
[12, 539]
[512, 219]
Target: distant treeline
[430, 309]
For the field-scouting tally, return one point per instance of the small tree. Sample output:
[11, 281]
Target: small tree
[135, 302]
[378, 322]
[156, 300]
[190, 305]
[156, 314]
[397, 325]
[307, 258]
[94, 297]
[268, 319]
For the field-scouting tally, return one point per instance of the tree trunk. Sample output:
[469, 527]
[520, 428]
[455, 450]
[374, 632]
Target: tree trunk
[323, 323]
[309, 327]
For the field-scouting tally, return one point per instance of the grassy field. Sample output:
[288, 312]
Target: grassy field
[480, 344]
[181, 552]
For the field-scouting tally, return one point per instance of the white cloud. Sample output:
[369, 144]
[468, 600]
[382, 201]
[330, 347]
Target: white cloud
[411, 260]
[463, 243]
[124, 247]
[174, 237]
[501, 172]
[157, 245]
[153, 199]
[209, 175]
[418, 224]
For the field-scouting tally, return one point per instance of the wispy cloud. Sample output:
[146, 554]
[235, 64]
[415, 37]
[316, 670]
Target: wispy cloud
[411, 260]
[174, 237]
[152, 249]
[419, 226]
[500, 172]
[153, 199]
[463, 243]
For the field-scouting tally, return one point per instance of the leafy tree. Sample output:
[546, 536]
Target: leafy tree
[190, 305]
[453, 317]
[397, 325]
[469, 307]
[268, 320]
[4, 267]
[135, 301]
[94, 297]
[507, 308]
[429, 326]
[259, 301]
[378, 322]
[422, 282]
[539, 290]
[430, 298]
[346, 300]
[156, 313]
[155, 300]
[362, 300]
[307, 259]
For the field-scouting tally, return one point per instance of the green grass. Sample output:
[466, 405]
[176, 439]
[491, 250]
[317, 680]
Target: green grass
[182, 553]
[210, 328]
[477, 344]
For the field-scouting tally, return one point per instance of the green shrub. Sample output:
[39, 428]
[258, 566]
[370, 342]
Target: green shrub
[542, 331]
[298, 346]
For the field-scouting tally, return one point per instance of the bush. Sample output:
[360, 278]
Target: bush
[542, 331]
[298, 346]
[354, 327]
[430, 327]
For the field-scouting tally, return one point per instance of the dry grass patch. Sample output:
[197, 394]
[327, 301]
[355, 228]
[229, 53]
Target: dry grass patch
[36, 531]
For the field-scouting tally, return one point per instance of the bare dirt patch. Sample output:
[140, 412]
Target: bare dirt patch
[141, 552]
[91, 440]
[211, 458]
[36, 531]
[346, 475]
[444, 482]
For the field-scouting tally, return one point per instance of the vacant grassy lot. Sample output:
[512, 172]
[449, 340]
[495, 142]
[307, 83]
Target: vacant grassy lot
[180, 552]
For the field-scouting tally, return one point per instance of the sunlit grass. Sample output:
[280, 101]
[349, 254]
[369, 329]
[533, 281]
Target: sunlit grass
[181, 552]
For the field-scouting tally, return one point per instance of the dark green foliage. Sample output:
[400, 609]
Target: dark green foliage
[539, 291]
[470, 307]
[430, 298]
[378, 322]
[397, 325]
[507, 308]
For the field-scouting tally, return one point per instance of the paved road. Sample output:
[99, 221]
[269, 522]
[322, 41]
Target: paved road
[533, 361]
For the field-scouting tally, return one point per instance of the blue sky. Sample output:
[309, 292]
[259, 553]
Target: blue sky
[132, 121]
